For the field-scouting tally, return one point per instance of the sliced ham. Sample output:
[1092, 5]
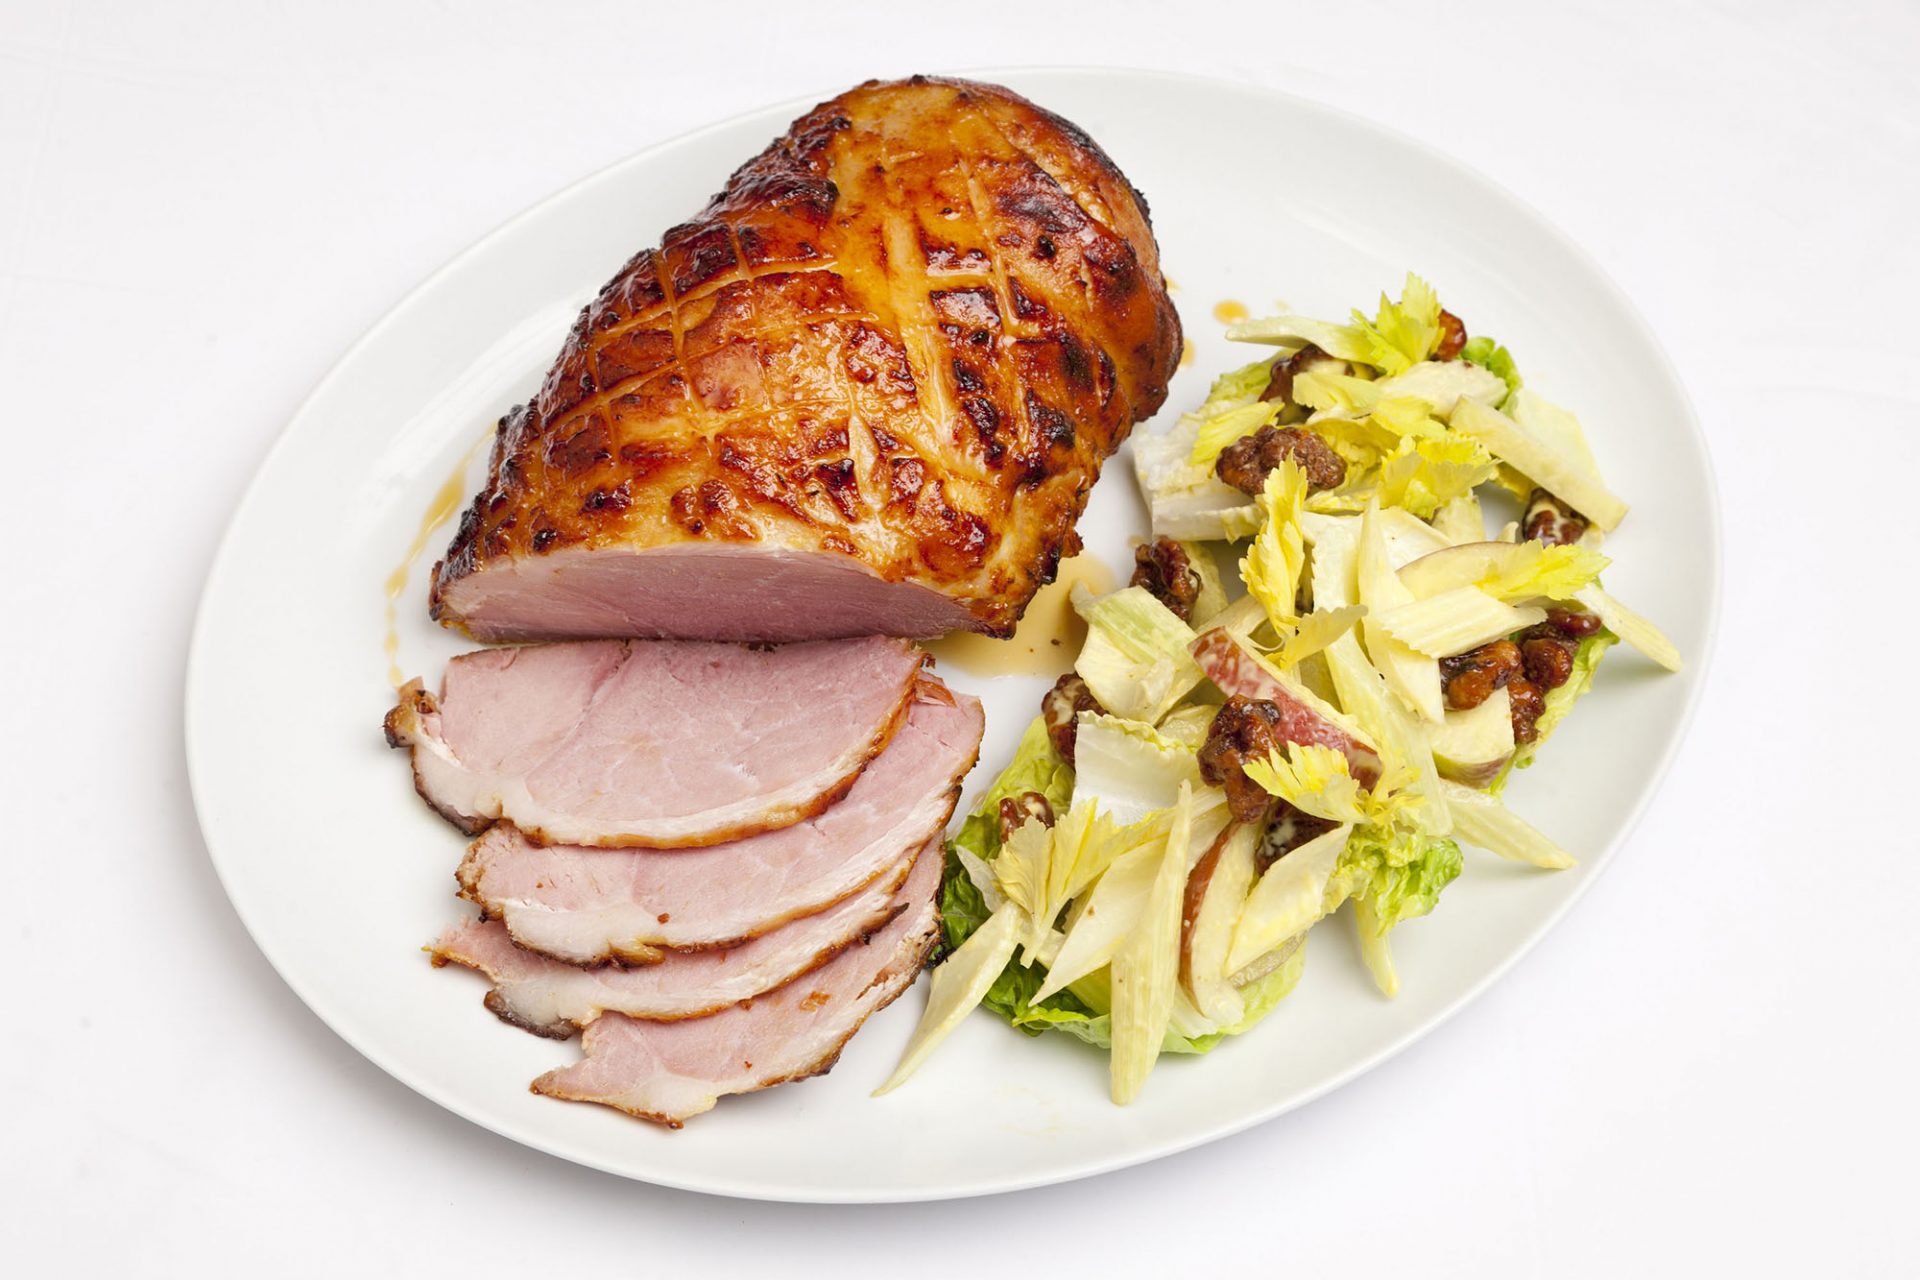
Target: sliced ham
[670, 1071]
[553, 999]
[652, 744]
[587, 905]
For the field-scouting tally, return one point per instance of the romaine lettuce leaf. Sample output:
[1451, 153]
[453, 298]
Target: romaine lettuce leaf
[1495, 359]
[1127, 768]
[1135, 659]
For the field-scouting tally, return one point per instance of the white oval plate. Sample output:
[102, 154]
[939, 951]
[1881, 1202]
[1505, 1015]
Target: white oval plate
[342, 874]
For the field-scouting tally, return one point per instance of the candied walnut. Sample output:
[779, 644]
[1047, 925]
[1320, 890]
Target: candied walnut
[1453, 336]
[1247, 462]
[1280, 379]
[1016, 811]
[1162, 567]
[1242, 730]
[1548, 660]
[1062, 706]
[1577, 623]
[1528, 703]
[1552, 521]
[1289, 829]
[1470, 678]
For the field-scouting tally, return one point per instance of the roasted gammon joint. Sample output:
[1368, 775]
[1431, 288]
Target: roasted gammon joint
[866, 390]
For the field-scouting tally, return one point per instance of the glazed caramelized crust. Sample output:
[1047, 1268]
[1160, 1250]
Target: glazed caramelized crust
[906, 334]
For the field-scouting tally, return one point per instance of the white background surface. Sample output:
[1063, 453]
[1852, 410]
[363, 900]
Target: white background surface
[1708, 1068]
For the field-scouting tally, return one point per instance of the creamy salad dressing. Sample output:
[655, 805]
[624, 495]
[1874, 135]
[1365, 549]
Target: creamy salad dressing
[1229, 311]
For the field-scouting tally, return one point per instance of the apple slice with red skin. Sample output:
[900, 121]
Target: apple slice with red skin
[1304, 719]
[1472, 747]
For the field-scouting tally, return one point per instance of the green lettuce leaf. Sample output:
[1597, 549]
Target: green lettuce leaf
[1494, 358]
[1399, 870]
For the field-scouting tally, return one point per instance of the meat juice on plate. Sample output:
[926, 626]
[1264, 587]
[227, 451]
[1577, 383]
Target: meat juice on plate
[1048, 637]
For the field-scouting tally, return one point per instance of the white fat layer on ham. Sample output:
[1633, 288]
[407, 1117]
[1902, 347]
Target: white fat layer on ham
[663, 744]
[671, 1071]
[551, 998]
[583, 906]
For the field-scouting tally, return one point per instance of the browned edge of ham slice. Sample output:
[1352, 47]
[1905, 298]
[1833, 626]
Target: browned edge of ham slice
[552, 999]
[652, 744]
[668, 1072]
[586, 906]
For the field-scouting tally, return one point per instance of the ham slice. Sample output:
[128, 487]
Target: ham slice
[670, 1071]
[553, 999]
[587, 905]
[662, 744]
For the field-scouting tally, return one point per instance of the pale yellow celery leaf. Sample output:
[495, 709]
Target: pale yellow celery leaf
[1326, 391]
[1020, 869]
[1287, 899]
[1511, 571]
[1238, 386]
[1375, 950]
[1454, 621]
[1316, 631]
[1229, 425]
[1413, 676]
[1345, 501]
[1482, 820]
[1461, 520]
[1426, 472]
[1533, 569]
[1146, 968]
[1545, 461]
[958, 986]
[1404, 333]
[1361, 442]
[1631, 627]
[1205, 969]
[1313, 779]
[1292, 332]
[1273, 564]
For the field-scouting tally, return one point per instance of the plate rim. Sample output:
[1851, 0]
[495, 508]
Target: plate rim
[195, 677]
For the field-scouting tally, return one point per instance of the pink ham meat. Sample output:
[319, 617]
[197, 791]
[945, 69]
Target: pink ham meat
[670, 1071]
[652, 744]
[553, 999]
[1304, 719]
[583, 906]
